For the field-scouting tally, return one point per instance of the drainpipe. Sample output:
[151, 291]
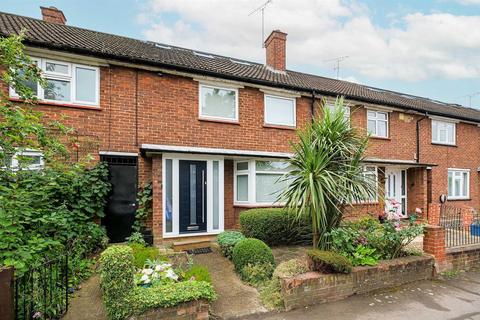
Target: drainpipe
[312, 106]
[417, 127]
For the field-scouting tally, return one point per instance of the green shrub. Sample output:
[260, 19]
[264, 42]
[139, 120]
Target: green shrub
[117, 274]
[136, 237]
[271, 295]
[198, 273]
[275, 226]
[141, 254]
[364, 256]
[257, 274]
[169, 295]
[251, 251]
[227, 240]
[290, 268]
[328, 261]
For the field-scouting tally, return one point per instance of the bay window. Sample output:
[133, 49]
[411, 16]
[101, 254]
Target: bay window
[458, 184]
[66, 83]
[259, 181]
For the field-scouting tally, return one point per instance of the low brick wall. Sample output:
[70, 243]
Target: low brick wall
[314, 288]
[193, 310]
[464, 258]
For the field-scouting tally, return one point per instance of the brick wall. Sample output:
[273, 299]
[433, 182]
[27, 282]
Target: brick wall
[314, 288]
[193, 310]
[464, 258]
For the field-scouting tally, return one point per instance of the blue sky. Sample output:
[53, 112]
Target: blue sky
[426, 48]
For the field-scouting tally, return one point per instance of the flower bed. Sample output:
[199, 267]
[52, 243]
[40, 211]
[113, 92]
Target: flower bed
[129, 292]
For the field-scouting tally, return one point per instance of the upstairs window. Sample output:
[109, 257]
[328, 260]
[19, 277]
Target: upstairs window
[377, 123]
[67, 83]
[218, 103]
[346, 111]
[458, 184]
[443, 132]
[280, 111]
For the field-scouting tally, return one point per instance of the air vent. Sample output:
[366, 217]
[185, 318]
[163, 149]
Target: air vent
[205, 55]
[241, 62]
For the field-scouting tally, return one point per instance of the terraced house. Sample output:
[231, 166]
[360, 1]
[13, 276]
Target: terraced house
[211, 132]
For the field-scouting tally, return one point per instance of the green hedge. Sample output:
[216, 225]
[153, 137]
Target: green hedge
[123, 298]
[251, 251]
[116, 274]
[275, 226]
[227, 241]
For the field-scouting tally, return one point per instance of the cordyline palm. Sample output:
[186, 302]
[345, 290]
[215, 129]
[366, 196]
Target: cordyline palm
[328, 173]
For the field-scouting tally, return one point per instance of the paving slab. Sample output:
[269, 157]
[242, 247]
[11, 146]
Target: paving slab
[235, 299]
[87, 303]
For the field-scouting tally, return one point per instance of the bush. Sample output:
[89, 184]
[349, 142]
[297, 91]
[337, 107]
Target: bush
[290, 268]
[116, 274]
[275, 226]
[251, 251]
[142, 253]
[136, 237]
[198, 273]
[329, 262]
[257, 274]
[227, 241]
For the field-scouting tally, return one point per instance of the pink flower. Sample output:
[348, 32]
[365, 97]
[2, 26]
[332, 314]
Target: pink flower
[418, 210]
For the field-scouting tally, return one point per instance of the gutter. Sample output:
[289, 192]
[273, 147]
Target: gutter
[235, 78]
[312, 106]
[417, 128]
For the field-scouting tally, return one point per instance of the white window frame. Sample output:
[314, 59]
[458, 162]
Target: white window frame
[462, 171]
[294, 100]
[442, 122]
[70, 77]
[200, 102]
[32, 153]
[176, 196]
[387, 131]
[331, 108]
[364, 173]
[252, 180]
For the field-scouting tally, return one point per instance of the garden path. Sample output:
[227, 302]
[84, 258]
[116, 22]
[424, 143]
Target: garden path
[235, 299]
[87, 303]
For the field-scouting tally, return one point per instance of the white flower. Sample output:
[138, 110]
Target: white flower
[158, 267]
[170, 274]
[147, 271]
[145, 279]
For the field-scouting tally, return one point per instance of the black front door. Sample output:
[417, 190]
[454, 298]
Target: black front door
[122, 202]
[193, 196]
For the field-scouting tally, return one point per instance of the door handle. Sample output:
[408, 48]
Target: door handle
[203, 197]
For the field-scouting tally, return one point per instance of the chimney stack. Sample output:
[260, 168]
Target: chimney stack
[275, 46]
[52, 14]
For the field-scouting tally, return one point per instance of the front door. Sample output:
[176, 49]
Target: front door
[396, 191]
[122, 202]
[193, 196]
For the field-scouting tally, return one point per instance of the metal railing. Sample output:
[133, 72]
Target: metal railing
[462, 225]
[42, 292]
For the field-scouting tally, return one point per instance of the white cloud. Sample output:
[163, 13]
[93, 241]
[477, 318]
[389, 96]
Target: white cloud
[421, 46]
[469, 2]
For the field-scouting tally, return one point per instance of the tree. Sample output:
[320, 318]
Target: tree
[328, 174]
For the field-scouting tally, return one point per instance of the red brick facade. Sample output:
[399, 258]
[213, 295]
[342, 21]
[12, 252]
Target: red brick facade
[144, 107]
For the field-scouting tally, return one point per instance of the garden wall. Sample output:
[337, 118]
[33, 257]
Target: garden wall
[193, 310]
[314, 288]
[464, 258]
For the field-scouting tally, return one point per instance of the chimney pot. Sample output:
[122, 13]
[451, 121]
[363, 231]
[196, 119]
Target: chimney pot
[276, 50]
[52, 14]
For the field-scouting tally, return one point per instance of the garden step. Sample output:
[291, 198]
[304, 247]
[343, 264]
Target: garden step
[191, 244]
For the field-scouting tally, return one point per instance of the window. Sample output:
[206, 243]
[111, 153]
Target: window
[27, 160]
[346, 110]
[218, 103]
[279, 111]
[66, 82]
[259, 182]
[443, 132]
[371, 173]
[377, 123]
[458, 184]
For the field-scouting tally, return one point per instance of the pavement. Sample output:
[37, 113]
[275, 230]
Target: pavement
[457, 298]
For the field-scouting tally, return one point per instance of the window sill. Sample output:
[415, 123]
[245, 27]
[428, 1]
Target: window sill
[366, 203]
[278, 126]
[66, 105]
[235, 122]
[444, 144]
[459, 199]
[260, 205]
[380, 138]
